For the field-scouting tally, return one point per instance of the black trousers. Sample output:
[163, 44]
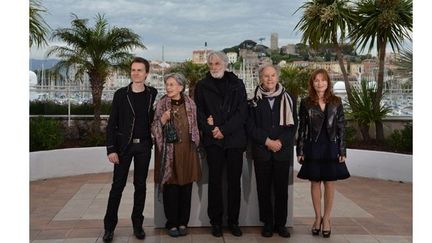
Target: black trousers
[141, 154]
[272, 177]
[217, 159]
[177, 204]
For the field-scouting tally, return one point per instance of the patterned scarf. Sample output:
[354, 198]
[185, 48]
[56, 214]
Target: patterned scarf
[286, 116]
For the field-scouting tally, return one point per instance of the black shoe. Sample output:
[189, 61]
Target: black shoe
[216, 230]
[316, 231]
[267, 230]
[235, 230]
[174, 232]
[139, 233]
[326, 233]
[283, 231]
[182, 230]
[108, 236]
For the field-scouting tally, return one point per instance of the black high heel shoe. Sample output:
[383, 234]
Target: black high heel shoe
[316, 231]
[326, 233]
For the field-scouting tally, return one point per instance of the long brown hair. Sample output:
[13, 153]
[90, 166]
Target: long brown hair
[329, 96]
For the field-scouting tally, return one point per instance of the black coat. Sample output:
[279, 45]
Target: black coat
[229, 111]
[263, 123]
[121, 122]
[311, 123]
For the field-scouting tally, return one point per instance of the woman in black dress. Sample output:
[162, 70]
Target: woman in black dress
[321, 145]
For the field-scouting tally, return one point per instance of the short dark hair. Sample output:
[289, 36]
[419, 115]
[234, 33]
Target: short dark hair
[143, 61]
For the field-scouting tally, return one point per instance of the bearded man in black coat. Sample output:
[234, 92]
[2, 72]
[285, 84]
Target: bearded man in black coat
[222, 113]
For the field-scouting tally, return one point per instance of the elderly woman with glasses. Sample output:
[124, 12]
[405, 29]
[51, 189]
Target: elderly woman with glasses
[176, 163]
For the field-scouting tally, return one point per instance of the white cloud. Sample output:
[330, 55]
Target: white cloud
[184, 25]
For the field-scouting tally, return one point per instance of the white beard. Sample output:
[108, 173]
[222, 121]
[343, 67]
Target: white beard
[217, 75]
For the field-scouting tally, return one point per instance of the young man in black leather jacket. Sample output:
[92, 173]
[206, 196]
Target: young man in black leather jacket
[128, 136]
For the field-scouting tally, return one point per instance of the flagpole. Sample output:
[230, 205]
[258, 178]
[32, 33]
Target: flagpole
[205, 51]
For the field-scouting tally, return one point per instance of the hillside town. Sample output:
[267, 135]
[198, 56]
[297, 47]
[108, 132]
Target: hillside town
[245, 59]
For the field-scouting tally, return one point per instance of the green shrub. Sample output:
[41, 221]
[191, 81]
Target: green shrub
[53, 108]
[47, 108]
[401, 140]
[350, 135]
[93, 139]
[45, 134]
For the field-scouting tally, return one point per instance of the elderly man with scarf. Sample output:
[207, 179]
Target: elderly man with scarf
[272, 126]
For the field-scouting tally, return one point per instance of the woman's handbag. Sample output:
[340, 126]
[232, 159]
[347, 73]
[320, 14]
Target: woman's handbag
[170, 132]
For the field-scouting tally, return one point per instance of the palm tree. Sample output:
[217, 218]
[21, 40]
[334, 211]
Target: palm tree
[295, 80]
[382, 22]
[328, 21]
[95, 51]
[38, 28]
[361, 109]
[193, 73]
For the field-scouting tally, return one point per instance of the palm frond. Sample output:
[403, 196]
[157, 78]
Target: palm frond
[377, 20]
[361, 109]
[38, 28]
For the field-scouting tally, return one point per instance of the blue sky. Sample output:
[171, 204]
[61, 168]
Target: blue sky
[182, 26]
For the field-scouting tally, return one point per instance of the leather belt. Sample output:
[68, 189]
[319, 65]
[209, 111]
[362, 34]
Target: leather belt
[137, 140]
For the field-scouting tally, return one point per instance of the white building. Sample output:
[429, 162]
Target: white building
[289, 49]
[232, 57]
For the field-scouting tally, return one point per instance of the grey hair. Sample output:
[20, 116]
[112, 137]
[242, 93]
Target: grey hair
[178, 77]
[221, 55]
[261, 69]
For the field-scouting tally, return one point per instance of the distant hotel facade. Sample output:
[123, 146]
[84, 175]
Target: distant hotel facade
[232, 57]
[200, 56]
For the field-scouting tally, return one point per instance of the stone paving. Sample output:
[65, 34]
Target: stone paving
[71, 209]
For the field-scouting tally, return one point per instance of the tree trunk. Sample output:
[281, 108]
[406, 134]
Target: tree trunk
[364, 130]
[340, 58]
[379, 129]
[380, 85]
[97, 97]
[97, 83]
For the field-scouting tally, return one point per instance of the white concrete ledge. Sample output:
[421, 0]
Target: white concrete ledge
[77, 161]
[378, 165]
[70, 162]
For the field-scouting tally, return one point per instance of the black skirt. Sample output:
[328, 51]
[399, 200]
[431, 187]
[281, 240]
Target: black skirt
[322, 163]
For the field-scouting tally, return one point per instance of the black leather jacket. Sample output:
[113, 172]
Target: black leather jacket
[311, 120]
[121, 121]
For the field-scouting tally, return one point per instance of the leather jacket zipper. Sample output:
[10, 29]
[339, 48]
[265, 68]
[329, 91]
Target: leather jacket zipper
[133, 120]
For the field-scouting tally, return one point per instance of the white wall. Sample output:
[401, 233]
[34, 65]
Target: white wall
[76, 161]
[69, 162]
[376, 164]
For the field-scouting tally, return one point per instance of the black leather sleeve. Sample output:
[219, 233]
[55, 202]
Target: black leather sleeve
[341, 130]
[302, 128]
[153, 94]
[112, 127]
